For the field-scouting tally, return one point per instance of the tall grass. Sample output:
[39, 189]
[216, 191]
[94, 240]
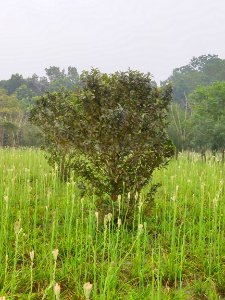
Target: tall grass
[178, 252]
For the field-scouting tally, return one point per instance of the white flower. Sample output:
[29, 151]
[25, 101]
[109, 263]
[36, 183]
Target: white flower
[87, 290]
[55, 253]
[57, 290]
[17, 228]
[109, 217]
[32, 255]
[140, 228]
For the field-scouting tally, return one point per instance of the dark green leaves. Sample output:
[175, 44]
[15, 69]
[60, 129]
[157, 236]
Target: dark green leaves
[112, 132]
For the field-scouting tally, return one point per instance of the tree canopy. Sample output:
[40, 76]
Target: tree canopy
[201, 71]
[208, 116]
[112, 132]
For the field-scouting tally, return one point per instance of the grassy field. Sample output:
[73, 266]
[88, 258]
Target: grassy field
[49, 235]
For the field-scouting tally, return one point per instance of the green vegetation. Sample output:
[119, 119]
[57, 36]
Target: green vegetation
[208, 116]
[176, 253]
[198, 111]
[111, 133]
[201, 73]
[57, 240]
[17, 96]
[200, 125]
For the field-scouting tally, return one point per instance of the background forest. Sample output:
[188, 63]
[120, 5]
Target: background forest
[197, 114]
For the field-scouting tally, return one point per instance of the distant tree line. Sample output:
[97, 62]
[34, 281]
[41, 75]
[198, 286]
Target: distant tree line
[17, 96]
[197, 112]
[197, 116]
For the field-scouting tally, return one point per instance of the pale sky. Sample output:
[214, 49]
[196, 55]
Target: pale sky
[153, 36]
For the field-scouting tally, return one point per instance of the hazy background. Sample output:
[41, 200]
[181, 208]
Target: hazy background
[147, 35]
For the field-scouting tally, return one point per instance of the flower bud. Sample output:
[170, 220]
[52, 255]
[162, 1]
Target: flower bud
[55, 253]
[87, 290]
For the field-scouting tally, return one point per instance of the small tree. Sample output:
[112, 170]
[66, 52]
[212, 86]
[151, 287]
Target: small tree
[208, 117]
[111, 132]
[11, 119]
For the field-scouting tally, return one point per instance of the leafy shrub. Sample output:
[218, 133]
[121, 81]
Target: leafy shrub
[111, 132]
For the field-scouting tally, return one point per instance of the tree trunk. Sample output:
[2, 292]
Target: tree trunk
[176, 153]
[203, 155]
[1, 136]
[223, 154]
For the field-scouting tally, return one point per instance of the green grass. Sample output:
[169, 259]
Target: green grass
[178, 253]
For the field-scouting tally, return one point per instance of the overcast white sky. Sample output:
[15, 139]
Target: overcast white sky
[149, 35]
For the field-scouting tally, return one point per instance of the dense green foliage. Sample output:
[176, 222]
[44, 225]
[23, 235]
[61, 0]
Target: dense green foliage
[54, 80]
[198, 112]
[51, 232]
[112, 132]
[208, 116]
[202, 71]
[11, 119]
[178, 253]
[18, 95]
[200, 126]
